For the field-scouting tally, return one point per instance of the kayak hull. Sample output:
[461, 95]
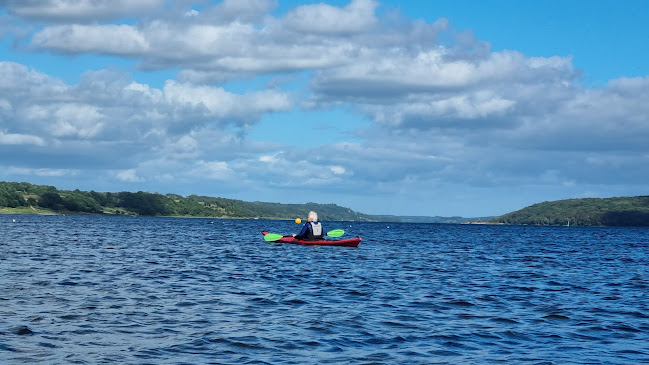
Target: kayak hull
[351, 242]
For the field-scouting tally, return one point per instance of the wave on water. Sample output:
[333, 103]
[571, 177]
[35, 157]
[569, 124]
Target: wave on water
[89, 289]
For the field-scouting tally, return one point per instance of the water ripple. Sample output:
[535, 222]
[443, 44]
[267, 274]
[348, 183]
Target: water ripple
[82, 289]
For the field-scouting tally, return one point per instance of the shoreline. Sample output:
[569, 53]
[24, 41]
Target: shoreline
[4, 211]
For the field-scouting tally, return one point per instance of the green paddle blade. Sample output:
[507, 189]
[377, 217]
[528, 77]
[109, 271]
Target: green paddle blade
[336, 233]
[272, 237]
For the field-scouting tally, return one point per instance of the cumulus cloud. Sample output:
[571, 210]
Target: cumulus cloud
[218, 103]
[129, 175]
[452, 113]
[185, 147]
[26, 171]
[211, 170]
[338, 170]
[241, 39]
[402, 74]
[124, 39]
[323, 18]
[20, 81]
[110, 105]
[270, 159]
[20, 139]
[285, 169]
[110, 122]
[245, 11]
[78, 10]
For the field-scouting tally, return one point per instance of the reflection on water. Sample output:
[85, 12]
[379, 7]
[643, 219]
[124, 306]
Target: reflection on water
[87, 289]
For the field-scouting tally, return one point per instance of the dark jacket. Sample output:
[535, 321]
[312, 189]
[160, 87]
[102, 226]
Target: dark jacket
[306, 233]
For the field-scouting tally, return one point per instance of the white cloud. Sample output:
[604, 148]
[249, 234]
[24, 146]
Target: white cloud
[218, 103]
[106, 105]
[83, 121]
[185, 147]
[63, 120]
[111, 123]
[19, 81]
[192, 12]
[129, 175]
[212, 170]
[270, 159]
[123, 40]
[79, 10]
[237, 38]
[5, 105]
[284, 169]
[338, 170]
[240, 10]
[452, 113]
[26, 171]
[378, 75]
[357, 16]
[20, 139]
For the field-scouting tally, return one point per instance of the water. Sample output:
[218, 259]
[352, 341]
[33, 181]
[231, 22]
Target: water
[88, 289]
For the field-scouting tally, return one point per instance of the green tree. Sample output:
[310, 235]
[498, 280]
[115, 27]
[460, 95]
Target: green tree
[52, 201]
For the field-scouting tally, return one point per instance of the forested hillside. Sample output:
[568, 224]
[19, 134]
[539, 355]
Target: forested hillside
[622, 211]
[25, 197]
[22, 197]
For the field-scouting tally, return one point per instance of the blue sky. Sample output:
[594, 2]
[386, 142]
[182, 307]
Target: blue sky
[469, 108]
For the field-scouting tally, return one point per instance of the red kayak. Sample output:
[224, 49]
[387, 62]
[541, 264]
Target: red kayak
[351, 242]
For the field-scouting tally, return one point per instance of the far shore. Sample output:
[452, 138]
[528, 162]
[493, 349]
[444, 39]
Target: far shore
[24, 211]
[482, 222]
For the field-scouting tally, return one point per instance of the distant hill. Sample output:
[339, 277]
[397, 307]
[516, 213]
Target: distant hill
[27, 198]
[24, 197]
[620, 211]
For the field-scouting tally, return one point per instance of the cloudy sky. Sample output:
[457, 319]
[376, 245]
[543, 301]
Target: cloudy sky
[469, 108]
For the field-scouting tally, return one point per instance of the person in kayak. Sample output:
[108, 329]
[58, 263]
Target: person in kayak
[312, 229]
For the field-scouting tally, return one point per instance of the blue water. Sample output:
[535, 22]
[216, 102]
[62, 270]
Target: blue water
[88, 289]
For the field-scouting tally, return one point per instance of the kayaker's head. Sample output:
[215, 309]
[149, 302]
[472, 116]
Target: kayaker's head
[312, 217]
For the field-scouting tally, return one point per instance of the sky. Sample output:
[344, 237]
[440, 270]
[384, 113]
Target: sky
[429, 108]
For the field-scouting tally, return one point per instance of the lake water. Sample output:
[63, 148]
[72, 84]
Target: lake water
[127, 290]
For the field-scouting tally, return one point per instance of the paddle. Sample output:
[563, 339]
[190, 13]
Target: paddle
[270, 237]
[336, 233]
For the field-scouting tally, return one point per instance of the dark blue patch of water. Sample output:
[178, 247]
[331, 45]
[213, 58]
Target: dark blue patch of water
[96, 289]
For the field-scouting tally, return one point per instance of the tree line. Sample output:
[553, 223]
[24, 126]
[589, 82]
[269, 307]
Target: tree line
[619, 211]
[22, 194]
